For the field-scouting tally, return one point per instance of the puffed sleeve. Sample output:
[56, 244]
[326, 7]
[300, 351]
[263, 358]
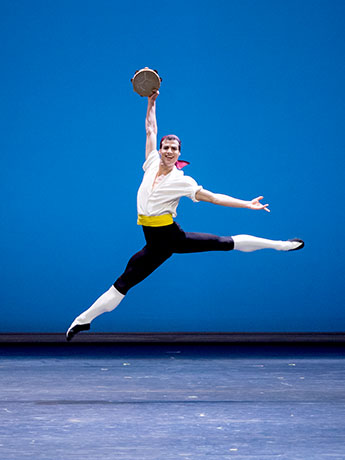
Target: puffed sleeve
[151, 159]
[191, 188]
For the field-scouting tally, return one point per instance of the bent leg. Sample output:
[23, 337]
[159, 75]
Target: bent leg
[248, 243]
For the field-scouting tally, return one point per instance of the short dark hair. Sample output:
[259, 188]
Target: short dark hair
[170, 137]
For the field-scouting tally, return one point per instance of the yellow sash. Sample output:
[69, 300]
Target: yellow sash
[155, 221]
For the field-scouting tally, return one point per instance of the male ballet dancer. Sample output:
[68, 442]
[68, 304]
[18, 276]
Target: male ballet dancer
[162, 187]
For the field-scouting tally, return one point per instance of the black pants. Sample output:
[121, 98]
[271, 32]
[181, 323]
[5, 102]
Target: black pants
[161, 243]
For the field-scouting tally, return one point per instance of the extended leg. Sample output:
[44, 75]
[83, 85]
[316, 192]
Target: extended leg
[201, 242]
[105, 303]
[248, 243]
[141, 265]
[189, 242]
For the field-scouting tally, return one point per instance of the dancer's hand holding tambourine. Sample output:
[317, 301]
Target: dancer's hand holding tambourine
[154, 95]
[146, 82]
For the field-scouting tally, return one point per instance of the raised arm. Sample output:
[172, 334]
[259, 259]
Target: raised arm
[226, 200]
[151, 124]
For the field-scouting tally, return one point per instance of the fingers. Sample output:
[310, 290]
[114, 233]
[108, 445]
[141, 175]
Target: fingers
[257, 205]
[154, 95]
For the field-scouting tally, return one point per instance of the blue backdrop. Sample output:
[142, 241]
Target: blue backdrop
[255, 90]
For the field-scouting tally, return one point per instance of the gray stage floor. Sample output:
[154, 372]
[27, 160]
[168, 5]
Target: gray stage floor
[175, 401]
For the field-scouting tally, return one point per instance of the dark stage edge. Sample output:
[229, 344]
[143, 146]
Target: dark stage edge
[177, 337]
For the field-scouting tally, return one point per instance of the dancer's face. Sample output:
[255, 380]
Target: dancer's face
[169, 153]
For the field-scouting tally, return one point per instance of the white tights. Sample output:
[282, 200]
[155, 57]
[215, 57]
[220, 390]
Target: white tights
[248, 243]
[107, 302]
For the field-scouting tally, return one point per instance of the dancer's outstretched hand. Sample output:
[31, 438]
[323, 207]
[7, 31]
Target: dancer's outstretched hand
[255, 204]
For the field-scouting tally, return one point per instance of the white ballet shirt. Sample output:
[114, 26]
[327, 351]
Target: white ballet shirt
[164, 197]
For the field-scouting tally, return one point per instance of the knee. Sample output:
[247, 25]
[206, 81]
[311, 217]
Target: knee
[121, 286]
[227, 242]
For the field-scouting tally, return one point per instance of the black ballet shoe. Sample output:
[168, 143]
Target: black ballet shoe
[298, 247]
[74, 330]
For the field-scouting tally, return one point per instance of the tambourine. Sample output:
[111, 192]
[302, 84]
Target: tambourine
[145, 81]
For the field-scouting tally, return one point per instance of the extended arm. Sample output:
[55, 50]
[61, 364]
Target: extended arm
[226, 200]
[151, 124]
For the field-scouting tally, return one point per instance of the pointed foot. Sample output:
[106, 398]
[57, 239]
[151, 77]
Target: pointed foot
[298, 244]
[72, 331]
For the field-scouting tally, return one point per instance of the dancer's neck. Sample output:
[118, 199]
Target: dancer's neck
[163, 170]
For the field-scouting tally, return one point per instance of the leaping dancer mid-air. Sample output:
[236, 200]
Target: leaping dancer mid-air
[159, 194]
